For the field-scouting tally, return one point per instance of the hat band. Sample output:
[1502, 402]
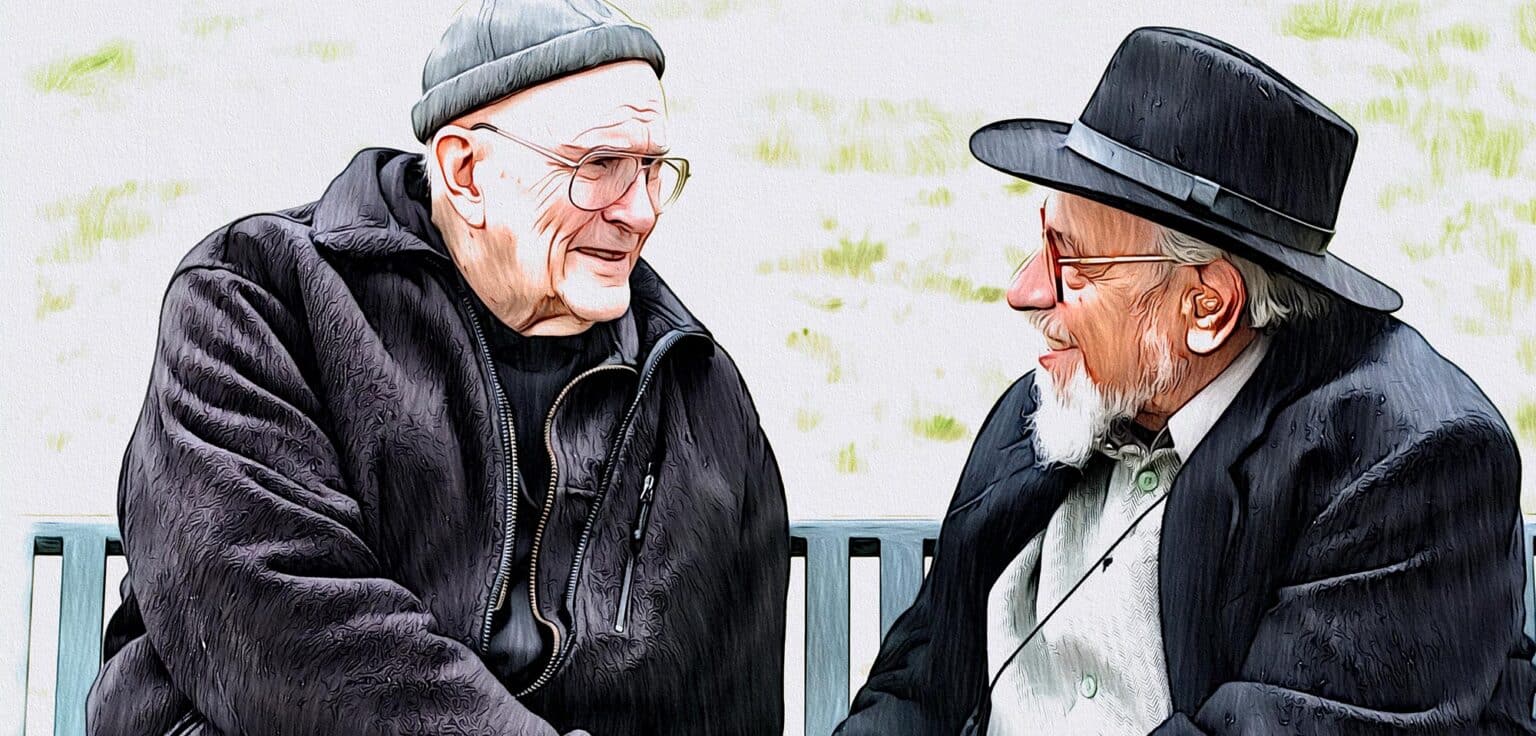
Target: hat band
[1234, 208]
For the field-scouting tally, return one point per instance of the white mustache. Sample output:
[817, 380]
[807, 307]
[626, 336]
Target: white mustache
[1052, 330]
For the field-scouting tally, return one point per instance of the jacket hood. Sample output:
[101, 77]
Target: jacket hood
[380, 207]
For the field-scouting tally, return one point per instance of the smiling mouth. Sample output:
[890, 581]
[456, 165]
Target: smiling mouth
[612, 256]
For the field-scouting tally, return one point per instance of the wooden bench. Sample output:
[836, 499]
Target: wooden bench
[826, 546]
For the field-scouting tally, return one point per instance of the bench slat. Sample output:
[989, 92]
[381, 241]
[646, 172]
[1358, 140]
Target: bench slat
[82, 589]
[901, 574]
[826, 633]
[1530, 583]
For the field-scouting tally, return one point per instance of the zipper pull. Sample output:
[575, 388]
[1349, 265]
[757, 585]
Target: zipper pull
[636, 542]
[643, 516]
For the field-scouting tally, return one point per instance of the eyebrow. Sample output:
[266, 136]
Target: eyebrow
[1064, 238]
[1067, 241]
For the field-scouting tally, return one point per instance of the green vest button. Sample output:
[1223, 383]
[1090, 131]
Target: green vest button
[1146, 480]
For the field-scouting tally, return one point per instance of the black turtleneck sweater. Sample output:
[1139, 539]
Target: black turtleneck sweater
[532, 372]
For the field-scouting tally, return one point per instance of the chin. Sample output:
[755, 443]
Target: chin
[1061, 368]
[596, 302]
[1074, 415]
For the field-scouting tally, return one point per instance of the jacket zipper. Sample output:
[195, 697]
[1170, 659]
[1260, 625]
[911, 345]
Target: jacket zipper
[586, 533]
[636, 543]
[549, 496]
[509, 440]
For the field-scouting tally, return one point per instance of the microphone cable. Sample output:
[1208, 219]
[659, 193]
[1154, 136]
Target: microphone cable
[983, 712]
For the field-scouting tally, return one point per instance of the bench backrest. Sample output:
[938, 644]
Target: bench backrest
[826, 546]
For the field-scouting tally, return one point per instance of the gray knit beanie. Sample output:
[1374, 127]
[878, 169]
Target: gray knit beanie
[495, 48]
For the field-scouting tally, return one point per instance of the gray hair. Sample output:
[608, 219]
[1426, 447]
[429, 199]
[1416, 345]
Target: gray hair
[1273, 298]
[434, 174]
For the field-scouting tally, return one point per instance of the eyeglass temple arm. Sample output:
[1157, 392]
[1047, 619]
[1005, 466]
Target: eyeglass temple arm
[562, 159]
[525, 143]
[1106, 260]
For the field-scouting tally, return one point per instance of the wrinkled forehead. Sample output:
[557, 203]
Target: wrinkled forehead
[618, 105]
[1092, 228]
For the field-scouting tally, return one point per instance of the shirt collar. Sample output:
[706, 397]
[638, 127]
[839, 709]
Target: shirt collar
[1189, 425]
[1128, 442]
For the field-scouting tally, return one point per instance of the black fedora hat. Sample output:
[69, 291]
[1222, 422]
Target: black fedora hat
[1198, 136]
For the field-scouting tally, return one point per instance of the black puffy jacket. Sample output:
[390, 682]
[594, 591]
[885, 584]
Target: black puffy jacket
[316, 502]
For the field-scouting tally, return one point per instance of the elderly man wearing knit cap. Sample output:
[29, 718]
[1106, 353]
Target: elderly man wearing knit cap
[438, 453]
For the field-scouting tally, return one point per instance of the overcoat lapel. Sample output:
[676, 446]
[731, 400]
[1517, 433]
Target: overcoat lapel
[1203, 510]
[1197, 576]
[1015, 504]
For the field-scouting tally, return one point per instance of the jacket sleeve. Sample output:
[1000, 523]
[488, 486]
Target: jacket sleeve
[762, 569]
[258, 591]
[1401, 608]
[739, 686]
[931, 669]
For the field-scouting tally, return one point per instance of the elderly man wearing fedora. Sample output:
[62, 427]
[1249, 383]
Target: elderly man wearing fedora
[1237, 497]
[438, 453]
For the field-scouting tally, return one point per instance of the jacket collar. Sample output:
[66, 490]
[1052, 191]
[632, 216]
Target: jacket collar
[379, 207]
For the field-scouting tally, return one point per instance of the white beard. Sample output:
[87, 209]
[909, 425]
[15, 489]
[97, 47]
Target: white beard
[1072, 420]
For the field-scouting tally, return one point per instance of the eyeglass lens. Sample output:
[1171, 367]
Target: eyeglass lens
[601, 180]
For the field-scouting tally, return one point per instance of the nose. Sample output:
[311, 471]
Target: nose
[1032, 287]
[634, 211]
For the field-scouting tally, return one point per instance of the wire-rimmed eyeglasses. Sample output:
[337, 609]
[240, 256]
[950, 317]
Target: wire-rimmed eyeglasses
[603, 176]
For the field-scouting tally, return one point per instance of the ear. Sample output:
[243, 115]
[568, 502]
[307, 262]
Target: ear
[1213, 307]
[454, 155]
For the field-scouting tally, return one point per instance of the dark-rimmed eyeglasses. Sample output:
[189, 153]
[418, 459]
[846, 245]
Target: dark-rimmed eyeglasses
[1050, 250]
[603, 176]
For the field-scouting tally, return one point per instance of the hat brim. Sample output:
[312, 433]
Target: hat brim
[1036, 150]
